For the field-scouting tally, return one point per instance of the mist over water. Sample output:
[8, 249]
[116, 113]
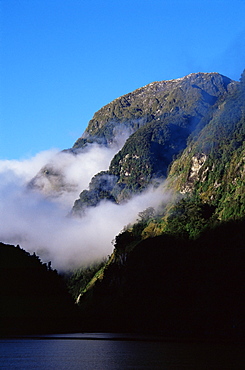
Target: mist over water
[37, 220]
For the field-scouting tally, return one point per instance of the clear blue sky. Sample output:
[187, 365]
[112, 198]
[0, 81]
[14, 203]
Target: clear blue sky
[60, 61]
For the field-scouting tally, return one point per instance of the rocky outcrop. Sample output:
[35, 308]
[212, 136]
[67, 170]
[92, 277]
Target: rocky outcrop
[197, 162]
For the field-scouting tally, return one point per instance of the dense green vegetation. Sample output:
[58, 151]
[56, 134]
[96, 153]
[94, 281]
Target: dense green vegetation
[78, 281]
[220, 180]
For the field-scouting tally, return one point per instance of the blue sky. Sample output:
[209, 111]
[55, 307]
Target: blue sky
[61, 61]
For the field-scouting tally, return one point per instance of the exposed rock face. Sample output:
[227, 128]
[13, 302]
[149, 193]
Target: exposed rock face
[194, 173]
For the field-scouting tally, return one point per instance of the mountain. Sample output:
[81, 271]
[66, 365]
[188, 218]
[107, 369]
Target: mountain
[154, 102]
[158, 118]
[177, 271]
[197, 144]
[180, 272]
[161, 116]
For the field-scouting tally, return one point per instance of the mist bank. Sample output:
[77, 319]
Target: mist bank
[38, 220]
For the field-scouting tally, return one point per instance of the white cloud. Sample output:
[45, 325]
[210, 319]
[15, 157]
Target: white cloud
[40, 223]
[26, 169]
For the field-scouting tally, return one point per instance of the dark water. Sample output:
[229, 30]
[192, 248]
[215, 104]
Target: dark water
[105, 351]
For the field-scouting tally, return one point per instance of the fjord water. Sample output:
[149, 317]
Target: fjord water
[110, 352]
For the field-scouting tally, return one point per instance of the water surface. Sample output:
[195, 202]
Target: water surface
[112, 352]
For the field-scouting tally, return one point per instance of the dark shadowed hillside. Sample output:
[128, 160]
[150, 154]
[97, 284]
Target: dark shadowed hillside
[34, 298]
[174, 287]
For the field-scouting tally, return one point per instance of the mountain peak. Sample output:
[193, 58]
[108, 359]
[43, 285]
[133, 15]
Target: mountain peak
[161, 116]
[137, 108]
